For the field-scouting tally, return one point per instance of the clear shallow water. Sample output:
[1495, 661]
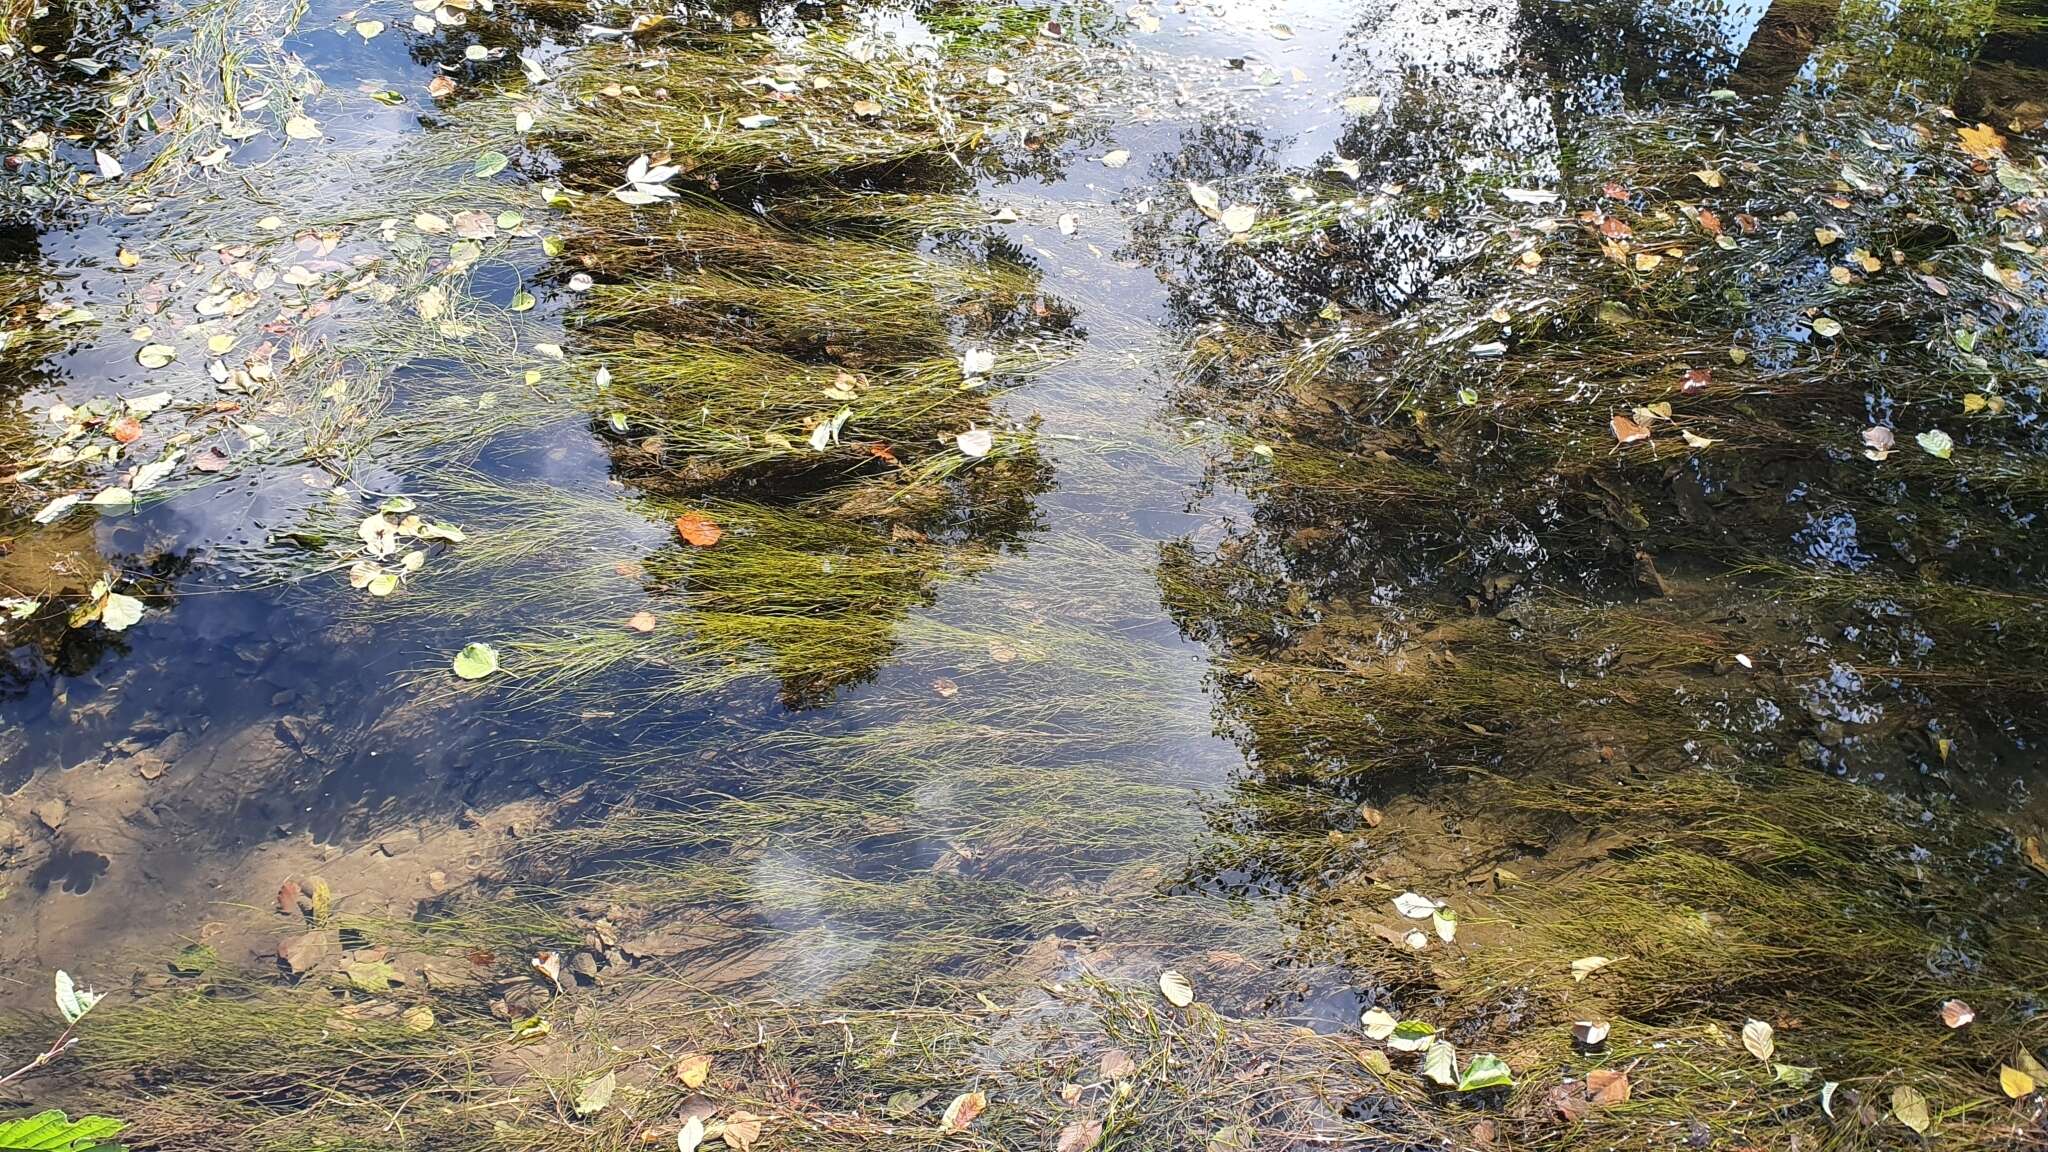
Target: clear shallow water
[263, 722]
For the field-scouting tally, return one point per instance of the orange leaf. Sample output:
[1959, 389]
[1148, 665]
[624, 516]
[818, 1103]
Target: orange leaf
[1606, 1087]
[127, 429]
[641, 622]
[699, 529]
[1628, 431]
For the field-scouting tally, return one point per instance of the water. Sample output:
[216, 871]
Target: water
[1303, 568]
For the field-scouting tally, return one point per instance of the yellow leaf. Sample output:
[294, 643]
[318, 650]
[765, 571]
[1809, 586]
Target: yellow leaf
[2015, 1082]
[1911, 1108]
[693, 1070]
[1983, 141]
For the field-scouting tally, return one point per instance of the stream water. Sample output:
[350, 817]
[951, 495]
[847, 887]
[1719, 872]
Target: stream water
[1312, 562]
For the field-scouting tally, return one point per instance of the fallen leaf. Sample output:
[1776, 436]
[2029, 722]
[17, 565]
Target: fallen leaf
[595, 1094]
[1606, 1087]
[302, 128]
[693, 1070]
[440, 87]
[476, 661]
[699, 529]
[1079, 1136]
[1910, 1107]
[1586, 966]
[1414, 906]
[1378, 1023]
[1827, 326]
[1590, 1033]
[1627, 431]
[2032, 847]
[1957, 1014]
[2015, 1082]
[1485, 1071]
[1116, 158]
[691, 1135]
[1176, 989]
[1983, 141]
[641, 622]
[1440, 1063]
[1878, 441]
[1117, 1064]
[1760, 1039]
[1936, 443]
[975, 442]
[962, 1111]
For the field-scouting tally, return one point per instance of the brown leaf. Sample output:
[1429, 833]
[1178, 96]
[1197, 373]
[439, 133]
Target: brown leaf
[1117, 1064]
[1615, 228]
[740, 1130]
[1568, 1101]
[946, 688]
[1079, 1136]
[288, 898]
[1613, 191]
[641, 622]
[2032, 847]
[440, 87]
[1957, 1014]
[1696, 381]
[127, 429]
[1370, 815]
[209, 459]
[1606, 1087]
[1627, 431]
[698, 529]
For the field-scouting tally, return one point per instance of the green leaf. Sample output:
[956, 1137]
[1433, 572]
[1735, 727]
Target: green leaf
[1440, 1063]
[372, 975]
[1936, 443]
[71, 1002]
[476, 661]
[1792, 1074]
[52, 1132]
[522, 301]
[1411, 1036]
[1485, 1071]
[489, 164]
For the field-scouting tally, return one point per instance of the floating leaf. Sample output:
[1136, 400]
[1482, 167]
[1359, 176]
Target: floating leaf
[962, 1111]
[1205, 198]
[1910, 1108]
[1957, 1014]
[699, 529]
[1627, 431]
[1116, 158]
[1590, 1033]
[1827, 326]
[693, 1070]
[1176, 989]
[595, 1094]
[522, 301]
[302, 128]
[691, 1136]
[1079, 1136]
[1378, 1023]
[977, 362]
[1982, 141]
[975, 442]
[1760, 1039]
[2014, 1082]
[72, 1002]
[1606, 1087]
[1586, 966]
[1445, 922]
[118, 612]
[1411, 1036]
[489, 164]
[1238, 218]
[476, 661]
[369, 29]
[1440, 1063]
[1936, 443]
[1878, 441]
[1415, 906]
[155, 355]
[1792, 1074]
[1485, 1071]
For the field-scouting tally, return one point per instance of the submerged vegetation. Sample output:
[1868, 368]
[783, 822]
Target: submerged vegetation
[1603, 548]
